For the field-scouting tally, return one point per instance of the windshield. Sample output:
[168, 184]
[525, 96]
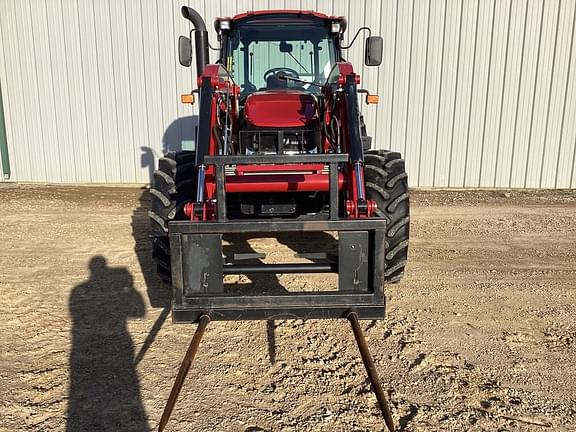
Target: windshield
[256, 52]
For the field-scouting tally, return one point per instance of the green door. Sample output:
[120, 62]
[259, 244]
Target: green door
[3, 143]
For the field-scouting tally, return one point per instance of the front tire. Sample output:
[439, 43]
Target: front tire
[173, 186]
[387, 184]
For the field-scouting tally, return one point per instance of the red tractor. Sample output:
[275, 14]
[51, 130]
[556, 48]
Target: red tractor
[281, 146]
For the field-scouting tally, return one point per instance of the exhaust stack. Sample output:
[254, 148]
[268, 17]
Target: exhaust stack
[200, 38]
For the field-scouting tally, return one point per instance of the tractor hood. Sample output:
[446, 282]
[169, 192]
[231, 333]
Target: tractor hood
[281, 109]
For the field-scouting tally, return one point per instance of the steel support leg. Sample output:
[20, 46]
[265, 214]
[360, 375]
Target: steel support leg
[183, 371]
[371, 370]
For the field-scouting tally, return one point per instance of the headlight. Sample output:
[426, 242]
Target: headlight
[225, 25]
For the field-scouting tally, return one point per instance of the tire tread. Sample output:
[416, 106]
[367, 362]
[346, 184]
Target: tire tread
[173, 186]
[386, 183]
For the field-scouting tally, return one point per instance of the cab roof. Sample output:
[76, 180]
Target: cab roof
[261, 15]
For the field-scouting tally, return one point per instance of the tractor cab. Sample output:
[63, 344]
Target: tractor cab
[290, 51]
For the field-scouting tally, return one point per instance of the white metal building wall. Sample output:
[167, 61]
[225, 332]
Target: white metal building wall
[472, 92]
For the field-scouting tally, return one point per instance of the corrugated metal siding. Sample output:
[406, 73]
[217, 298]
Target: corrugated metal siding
[473, 92]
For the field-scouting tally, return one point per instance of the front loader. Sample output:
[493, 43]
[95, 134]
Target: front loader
[281, 147]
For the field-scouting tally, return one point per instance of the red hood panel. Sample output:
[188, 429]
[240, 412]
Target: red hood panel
[280, 108]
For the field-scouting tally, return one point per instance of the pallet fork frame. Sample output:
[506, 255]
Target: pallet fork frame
[198, 269]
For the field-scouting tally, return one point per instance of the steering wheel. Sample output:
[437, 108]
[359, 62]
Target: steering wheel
[275, 70]
[272, 80]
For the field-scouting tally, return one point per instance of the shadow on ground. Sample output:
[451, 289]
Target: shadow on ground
[104, 387]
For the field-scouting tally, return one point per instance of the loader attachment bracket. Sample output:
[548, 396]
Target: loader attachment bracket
[198, 269]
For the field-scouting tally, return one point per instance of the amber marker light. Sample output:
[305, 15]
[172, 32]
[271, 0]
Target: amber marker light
[187, 98]
[372, 99]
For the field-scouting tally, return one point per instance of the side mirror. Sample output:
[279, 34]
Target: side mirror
[373, 53]
[185, 51]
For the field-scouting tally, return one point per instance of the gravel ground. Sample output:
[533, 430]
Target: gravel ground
[479, 336]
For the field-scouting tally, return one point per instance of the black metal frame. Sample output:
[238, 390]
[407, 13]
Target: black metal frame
[198, 268]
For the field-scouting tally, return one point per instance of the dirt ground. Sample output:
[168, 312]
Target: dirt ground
[479, 336]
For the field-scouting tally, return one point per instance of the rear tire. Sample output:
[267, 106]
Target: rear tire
[172, 187]
[387, 184]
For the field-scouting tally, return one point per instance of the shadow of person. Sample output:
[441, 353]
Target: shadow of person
[104, 386]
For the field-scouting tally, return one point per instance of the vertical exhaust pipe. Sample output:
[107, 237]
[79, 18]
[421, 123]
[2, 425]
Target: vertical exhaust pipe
[200, 38]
